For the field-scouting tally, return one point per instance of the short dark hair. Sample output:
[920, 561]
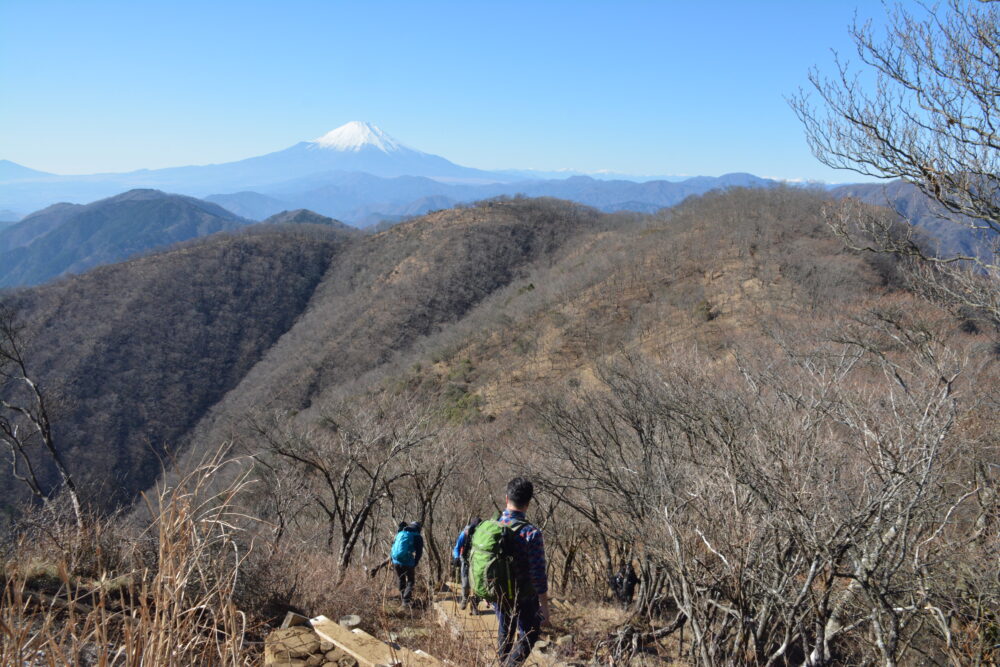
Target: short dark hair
[520, 491]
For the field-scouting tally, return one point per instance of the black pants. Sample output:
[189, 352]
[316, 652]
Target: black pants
[517, 631]
[406, 575]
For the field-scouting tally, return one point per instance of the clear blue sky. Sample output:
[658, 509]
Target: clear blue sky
[634, 87]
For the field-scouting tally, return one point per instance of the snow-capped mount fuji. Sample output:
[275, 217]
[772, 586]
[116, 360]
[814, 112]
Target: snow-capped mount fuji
[355, 173]
[356, 146]
[359, 135]
[360, 146]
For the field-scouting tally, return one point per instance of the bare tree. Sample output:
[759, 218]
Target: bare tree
[606, 463]
[352, 459]
[816, 501]
[25, 424]
[282, 497]
[925, 108]
[433, 469]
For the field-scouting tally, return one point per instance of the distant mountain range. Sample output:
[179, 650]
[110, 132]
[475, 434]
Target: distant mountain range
[360, 198]
[10, 171]
[354, 147]
[70, 238]
[67, 238]
[356, 173]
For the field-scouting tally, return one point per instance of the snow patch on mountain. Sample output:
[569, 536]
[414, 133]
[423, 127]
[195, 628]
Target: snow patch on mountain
[357, 135]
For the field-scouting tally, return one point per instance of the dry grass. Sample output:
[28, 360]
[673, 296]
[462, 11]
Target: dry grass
[177, 610]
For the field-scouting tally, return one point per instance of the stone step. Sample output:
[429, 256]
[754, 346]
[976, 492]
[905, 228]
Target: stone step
[369, 651]
[290, 646]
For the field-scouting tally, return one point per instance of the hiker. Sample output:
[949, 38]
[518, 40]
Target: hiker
[460, 557]
[407, 549]
[375, 570]
[508, 569]
[623, 583]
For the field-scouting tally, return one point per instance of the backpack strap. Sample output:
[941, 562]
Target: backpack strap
[516, 525]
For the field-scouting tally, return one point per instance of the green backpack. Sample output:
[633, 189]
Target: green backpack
[495, 565]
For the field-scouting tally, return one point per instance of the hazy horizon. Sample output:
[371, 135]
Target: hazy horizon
[638, 89]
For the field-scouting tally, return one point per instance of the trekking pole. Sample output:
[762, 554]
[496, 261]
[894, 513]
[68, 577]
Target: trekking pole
[378, 567]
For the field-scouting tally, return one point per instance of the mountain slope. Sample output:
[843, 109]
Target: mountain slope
[70, 239]
[481, 319]
[10, 171]
[947, 237]
[144, 347]
[480, 308]
[250, 205]
[388, 291]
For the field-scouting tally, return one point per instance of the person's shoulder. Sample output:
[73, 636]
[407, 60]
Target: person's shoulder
[530, 531]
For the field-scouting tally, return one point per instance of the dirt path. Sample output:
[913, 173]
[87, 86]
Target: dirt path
[479, 630]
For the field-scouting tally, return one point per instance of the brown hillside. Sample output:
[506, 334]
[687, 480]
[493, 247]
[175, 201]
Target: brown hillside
[718, 272]
[134, 353]
[711, 394]
[392, 290]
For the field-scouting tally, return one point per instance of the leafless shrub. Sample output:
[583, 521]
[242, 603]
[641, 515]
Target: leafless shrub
[804, 506]
[350, 462]
[179, 612]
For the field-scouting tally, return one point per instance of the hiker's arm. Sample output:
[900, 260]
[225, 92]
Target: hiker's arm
[539, 579]
[536, 564]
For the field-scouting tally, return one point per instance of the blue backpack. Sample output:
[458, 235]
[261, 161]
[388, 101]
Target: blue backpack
[404, 548]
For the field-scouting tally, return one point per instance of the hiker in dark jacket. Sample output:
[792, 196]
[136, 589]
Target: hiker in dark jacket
[407, 549]
[463, 546]
[623, 583]
[519, 628]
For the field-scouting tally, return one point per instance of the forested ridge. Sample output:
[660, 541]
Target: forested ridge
[150, 355]
[133, 354]
[427, 363]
